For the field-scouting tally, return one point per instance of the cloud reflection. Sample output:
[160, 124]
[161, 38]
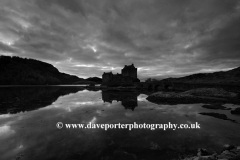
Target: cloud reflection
[6, 131]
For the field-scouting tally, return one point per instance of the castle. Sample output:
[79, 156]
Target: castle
[126, 78]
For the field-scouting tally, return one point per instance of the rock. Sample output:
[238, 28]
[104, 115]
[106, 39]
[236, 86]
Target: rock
[219, 116]
[236, 111]
[226, 154]
[202, 152]
[216, 115]
[191, 158]
[212, 92]
[231, 153]
[215, 106]
[154, 146]
[200, 95]
[228, 147]
[211, 157]
[235, 151]
[176, 98]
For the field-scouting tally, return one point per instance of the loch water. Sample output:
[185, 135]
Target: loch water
[28, 118]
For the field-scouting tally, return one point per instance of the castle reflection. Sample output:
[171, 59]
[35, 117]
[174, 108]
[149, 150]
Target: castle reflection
[128, 99]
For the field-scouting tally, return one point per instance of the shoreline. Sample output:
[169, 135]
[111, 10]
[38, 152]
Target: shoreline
[229, 152]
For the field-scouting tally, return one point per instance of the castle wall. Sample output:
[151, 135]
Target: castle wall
[127, 78]
[106, 77]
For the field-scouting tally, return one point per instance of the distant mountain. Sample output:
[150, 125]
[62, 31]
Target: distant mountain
[231, 77]
[95, 79]
[23, 71]
[91, 80]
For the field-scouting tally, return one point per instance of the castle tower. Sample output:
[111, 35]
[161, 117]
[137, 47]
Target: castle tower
[130, 71]
[106, 77]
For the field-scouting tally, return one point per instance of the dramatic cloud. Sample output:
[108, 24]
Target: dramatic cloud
[87, 37]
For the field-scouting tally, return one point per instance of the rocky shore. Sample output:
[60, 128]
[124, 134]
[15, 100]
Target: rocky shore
[229, 153]
[236, 111]
[200, 95]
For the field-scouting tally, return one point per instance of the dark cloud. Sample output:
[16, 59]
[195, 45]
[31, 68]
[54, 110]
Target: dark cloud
[118, 38]
[161, 37]
[224, 43]
[71, 5]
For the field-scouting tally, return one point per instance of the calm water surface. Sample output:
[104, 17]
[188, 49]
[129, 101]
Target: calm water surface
[28, 117]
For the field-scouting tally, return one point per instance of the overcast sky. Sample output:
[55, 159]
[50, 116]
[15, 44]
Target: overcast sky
[87, 37]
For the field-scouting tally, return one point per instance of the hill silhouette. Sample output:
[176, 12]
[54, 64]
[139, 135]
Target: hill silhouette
[231, 77]
[23, 71]
[94, 79]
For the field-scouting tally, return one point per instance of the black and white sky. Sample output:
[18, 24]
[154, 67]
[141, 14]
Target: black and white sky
[87, 37]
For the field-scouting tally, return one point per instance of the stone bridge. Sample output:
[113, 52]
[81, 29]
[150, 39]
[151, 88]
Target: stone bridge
[155, 85]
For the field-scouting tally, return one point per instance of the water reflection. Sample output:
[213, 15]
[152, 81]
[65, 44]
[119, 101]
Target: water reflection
[128, 100]
[19, 99]
[33, 135]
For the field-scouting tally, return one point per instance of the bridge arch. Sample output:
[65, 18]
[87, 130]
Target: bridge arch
[168, 86]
